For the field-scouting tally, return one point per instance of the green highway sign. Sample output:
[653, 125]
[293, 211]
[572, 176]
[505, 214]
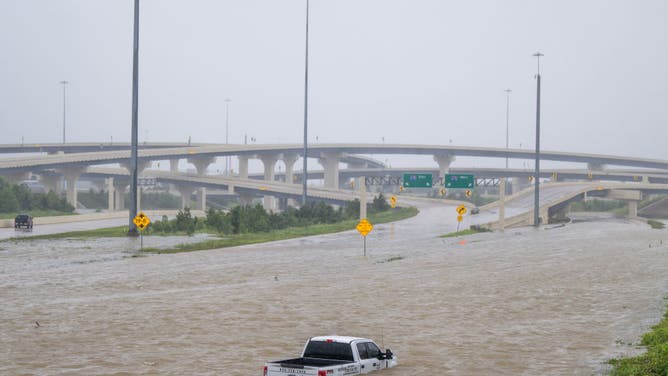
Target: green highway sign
[417, 180]
[459, 181]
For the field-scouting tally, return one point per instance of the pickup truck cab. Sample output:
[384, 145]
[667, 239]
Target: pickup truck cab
[23, 221]
[334, 356]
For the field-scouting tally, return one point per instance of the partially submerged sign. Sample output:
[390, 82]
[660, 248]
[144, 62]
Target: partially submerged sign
[364, 227]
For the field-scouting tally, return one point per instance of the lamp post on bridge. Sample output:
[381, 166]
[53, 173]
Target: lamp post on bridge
[227, 133]
[507, 121]
[64, 83]
[536, 203]
[305, 169]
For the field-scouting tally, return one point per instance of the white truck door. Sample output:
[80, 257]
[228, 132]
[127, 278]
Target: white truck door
[368, 353]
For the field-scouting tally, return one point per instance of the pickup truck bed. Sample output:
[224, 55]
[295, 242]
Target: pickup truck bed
[311, 362]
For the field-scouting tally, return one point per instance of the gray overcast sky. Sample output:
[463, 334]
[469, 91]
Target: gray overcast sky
[418, 71]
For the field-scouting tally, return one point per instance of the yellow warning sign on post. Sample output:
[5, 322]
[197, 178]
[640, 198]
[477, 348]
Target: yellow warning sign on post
[141, 221]
[460, 218]
[364, 227]
[461, 210]
[393, 201]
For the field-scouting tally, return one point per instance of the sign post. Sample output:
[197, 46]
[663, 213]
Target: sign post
[141, 221]
[461, 210]
[364, 227]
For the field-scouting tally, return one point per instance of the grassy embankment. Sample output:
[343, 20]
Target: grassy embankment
[652, 362]
[469, 231]
[240, 239]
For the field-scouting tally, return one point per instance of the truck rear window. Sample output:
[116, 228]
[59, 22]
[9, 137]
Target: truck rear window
[329, 350]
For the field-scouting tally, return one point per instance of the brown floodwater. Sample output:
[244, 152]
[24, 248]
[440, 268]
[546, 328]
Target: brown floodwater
[555, 301]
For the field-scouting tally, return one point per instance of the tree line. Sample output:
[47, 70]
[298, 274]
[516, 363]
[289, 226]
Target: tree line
[18, 198]
[251, 219]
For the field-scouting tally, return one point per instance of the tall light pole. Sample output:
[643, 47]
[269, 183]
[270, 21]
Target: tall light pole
[305, 169]
[132, 229]
[227, 132]
[536, 202]
[507, 121]
[64, 83]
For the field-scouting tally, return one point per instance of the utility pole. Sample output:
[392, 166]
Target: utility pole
[227, 133]
[132, 229]
[305, 172]
[64, 83]
[536, 202]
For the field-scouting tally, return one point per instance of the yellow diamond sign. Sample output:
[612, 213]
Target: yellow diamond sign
[364, 227]
[461, 210]
[141, 221]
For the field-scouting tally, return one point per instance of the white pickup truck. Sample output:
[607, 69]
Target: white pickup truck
[334, 356]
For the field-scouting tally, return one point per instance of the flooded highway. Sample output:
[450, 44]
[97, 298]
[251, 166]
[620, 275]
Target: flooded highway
[550, 301]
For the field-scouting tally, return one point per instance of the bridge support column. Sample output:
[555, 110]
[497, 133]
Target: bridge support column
[269, 161]
[246, 198]
[243, 166]
[71, 176]
[174, 166]
[289, 160]
[444, 161]
[330, 162]
[201, 164]
[51, 182]
[186, 191]
[633, 209]
[201, 198]
[141, 166]
[17, 177]
[119, 194]
[110, 193]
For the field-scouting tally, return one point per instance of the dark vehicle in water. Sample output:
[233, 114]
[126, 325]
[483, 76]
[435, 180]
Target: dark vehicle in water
[23, 221]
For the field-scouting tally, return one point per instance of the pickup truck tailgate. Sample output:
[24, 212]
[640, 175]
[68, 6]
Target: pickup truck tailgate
[276, 370]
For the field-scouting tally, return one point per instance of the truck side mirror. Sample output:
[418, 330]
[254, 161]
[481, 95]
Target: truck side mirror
[388, 354]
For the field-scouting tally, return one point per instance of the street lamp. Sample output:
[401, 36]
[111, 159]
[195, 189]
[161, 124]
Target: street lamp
[64, 83]
[507, 121]
[227, 132]
[536, 203]
[305, 172]
[134, 153]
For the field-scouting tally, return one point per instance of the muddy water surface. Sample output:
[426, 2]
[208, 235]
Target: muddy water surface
[557, 301]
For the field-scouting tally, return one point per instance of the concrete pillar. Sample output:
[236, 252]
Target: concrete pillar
[444, 161]
[633, 209]
[119, 194]
[110, 193]
[71, 176]
[202, 163]
[185, 191]
[201, 198]
[16, 177]
[246, 198]
[243, 166]
[595, 166]
[330, 162]
[51, 182]
[174, 166]
[289, 160]
[269, 162]
[141, 166]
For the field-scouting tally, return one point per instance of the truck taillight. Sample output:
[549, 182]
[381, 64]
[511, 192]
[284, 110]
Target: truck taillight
[265, 371]
[322, 373]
